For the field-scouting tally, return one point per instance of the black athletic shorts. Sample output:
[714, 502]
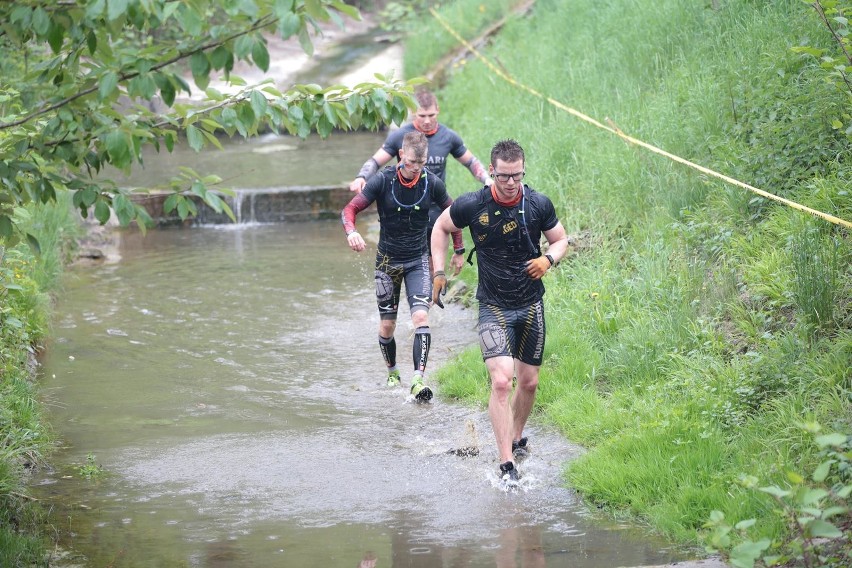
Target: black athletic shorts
[389, 279]
[517, 333]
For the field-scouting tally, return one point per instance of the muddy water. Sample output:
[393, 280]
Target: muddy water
[229, 383]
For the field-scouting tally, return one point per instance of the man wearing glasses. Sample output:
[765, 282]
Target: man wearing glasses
[443, 142]
[506, 222]
[403, 195]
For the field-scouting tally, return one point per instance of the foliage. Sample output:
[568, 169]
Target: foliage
[678, 351]
[86, 90]
[816, 269]
[836, 62]
[90, 469]
[815, 510]
[427, 42]
[401, 18]
[25, 279]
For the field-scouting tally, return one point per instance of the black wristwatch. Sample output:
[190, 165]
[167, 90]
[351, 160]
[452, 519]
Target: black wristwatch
[550, 258]
[459, 250]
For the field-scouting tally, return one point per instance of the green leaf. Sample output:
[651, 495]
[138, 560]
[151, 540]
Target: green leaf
[116, 9]
[195, 138]
[34, 244]
[742, 525]
[5, 226]
[795, 478]
[92, 42]
[167, 92]
[108, 84]
[833, 511]
[124, 209]
[807, 50]
[89, 196]
[243, 46]
[821, 472]
[220, 57]
[200, 67]
[315, 10]
[744, 554]
[260, 55]
[40, 21]
[288, 25]
[118, 148]
[822, 529]
[812, 496]
[169, 138]
[102, 212]
[183, 209]
[834, 439]
[259, 103]
[324, 127]
[171, 202]
[305, 42]
[212, 139]
[55, 36]
[776, 491]
[350, 11]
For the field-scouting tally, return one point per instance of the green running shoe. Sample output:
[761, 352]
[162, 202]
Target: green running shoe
[393, 379]
[421, 392]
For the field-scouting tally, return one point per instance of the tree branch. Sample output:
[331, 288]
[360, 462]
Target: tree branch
[260, 24]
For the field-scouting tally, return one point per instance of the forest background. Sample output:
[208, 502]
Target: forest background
[699, 341]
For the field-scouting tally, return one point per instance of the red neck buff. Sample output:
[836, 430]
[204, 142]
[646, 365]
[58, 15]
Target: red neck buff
[404, 182]
[427, 133]
[506, 203]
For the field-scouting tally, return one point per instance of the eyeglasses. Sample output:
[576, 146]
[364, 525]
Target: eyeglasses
[503, 178]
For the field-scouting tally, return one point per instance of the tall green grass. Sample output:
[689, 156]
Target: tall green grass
[428, 41]
[681, 348]
[26, 279]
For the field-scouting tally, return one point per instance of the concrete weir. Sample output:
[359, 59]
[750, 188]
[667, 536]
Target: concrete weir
[269, 205]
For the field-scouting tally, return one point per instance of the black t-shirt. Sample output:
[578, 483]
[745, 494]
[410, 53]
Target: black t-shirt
[505, 239]
[443, 144]
[404, 211]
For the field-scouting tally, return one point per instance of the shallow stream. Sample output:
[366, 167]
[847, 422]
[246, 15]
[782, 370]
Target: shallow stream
[229, 383]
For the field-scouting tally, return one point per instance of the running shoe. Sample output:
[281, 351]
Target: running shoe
[393, 379]
[519, 448]
[420, 391]
[509, 473]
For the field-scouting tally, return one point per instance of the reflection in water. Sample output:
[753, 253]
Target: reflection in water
[369, 560]
[520, 547]
[227, 381]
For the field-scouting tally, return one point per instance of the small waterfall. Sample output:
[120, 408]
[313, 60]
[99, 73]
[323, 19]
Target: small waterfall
[268, 205]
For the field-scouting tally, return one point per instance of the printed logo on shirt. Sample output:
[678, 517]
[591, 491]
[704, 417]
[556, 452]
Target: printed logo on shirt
[510, 226]
[483, 219]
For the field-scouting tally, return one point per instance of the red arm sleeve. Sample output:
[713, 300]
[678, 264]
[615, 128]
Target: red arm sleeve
[355, 206]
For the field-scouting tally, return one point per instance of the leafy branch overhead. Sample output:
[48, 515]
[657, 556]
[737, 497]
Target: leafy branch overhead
[80, 81]
[836, 62]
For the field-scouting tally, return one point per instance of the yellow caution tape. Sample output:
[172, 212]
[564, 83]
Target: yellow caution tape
[617, 132]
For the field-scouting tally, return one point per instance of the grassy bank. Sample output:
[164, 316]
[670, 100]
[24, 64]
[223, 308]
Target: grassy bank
[703, 338]
[25, 282]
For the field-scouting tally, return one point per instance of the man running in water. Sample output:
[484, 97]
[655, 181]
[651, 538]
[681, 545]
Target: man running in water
[443, 142]
[403, 195]
[506, 222]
